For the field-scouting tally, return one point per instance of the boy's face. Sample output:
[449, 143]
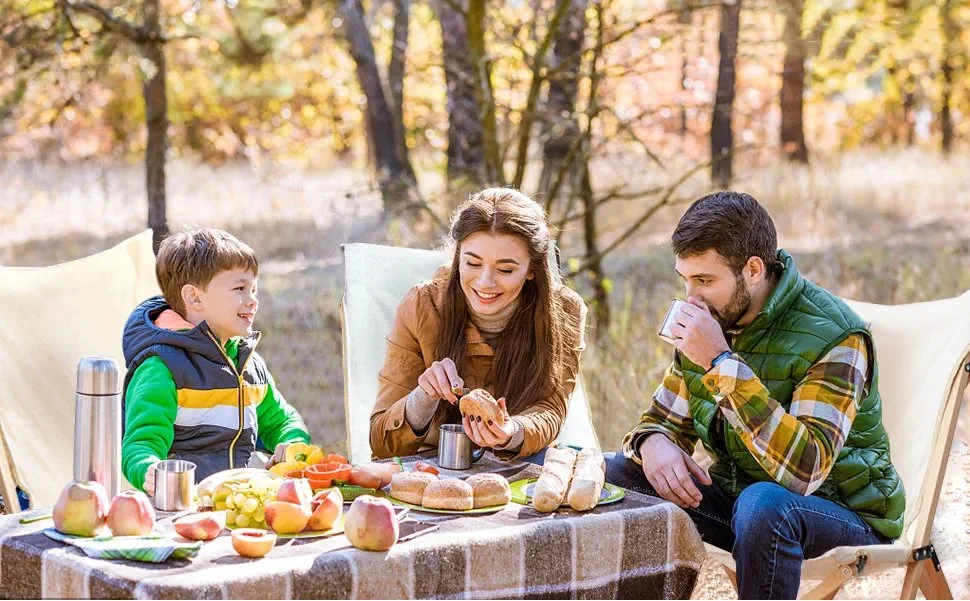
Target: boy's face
[228, 304]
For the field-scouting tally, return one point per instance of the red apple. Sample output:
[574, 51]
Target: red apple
[371, 524]
[295, 490]
[131, 514]
[81, 509]
[327, 506]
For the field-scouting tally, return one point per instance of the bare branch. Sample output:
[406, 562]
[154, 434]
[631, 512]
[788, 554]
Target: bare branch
[107, 20]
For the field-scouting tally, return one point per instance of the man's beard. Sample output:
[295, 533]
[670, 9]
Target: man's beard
[736, 307]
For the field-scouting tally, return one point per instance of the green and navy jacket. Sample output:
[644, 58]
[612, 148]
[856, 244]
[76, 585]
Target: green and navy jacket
[186, 396]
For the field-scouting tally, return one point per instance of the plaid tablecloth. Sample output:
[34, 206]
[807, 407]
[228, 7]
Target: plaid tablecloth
[638, 548]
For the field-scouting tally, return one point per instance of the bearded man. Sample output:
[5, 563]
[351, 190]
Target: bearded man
[777, 378]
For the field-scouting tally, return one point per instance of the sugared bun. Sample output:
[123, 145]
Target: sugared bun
[448, 494]
[479, 403]
[489, 490]
[409, 486]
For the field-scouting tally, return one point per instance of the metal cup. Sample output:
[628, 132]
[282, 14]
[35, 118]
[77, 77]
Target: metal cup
[669, 320]
[455, 449]
[174, 485]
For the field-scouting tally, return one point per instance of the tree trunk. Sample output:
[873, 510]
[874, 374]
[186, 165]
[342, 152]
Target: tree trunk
[395, 80]
[793, 85]
[466, 154]
[156, 118]
[601, 303]
[722, 137]
[949, 37]
[475, 25]
[392, 174]
[559, 112]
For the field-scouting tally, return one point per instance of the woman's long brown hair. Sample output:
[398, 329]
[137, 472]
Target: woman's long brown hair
[529, 354]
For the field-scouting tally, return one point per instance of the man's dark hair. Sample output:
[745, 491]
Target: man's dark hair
[733, 224]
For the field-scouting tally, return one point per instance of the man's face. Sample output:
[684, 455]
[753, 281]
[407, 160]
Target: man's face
[708, 277]
[229, 303]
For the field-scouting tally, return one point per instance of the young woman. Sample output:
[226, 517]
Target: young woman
[496, 319]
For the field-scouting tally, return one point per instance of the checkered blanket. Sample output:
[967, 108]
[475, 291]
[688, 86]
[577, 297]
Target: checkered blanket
[638, 548]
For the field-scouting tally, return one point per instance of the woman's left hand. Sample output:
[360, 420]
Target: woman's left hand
[488, 433]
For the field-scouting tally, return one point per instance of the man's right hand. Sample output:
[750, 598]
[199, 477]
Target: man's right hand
[440, 379]
[668, 469]
[150, 480]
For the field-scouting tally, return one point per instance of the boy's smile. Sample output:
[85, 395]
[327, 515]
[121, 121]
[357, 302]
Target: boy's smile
[229, 304]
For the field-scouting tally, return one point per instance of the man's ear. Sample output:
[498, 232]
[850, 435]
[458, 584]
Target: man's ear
[755, 270]
[191, 297]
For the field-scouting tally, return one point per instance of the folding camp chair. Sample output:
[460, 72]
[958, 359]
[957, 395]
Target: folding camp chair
[50, 317]
[923, 352]
[376, 278]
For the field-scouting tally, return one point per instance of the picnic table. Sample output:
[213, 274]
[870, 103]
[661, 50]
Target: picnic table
[640, 547]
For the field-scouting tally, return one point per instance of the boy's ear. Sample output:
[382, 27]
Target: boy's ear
[191, 297]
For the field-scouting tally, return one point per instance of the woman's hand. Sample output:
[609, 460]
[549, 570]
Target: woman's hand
[438, 381]
[489, 433]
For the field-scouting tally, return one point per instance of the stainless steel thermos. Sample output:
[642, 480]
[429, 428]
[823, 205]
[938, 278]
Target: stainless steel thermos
[97, 423]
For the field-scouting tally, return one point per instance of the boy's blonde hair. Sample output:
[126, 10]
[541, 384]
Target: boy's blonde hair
[195, 257]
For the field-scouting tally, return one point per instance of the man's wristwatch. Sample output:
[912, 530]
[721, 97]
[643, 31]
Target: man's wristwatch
[724, 355]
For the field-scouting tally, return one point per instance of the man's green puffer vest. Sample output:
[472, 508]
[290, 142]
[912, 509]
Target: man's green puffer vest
[798, 325]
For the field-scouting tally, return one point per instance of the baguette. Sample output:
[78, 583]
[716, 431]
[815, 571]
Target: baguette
[557, 471]
[588, 477]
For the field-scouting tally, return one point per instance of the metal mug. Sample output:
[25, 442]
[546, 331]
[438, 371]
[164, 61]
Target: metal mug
[174, 485]
[669, 320]
[455, 449]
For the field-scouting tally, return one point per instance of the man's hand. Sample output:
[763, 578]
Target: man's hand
[149, 485]
[668, 470]
[490, 434]
[697, 334]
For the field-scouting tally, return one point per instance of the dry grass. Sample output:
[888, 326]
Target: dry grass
[889, 228]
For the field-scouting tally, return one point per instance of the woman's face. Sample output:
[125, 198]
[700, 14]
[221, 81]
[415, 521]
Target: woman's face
[492, 269]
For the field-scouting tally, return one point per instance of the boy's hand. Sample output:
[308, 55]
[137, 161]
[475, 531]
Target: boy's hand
[279, 454]
[150, 480]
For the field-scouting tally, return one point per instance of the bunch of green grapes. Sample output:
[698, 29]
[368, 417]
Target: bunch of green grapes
[244, 501]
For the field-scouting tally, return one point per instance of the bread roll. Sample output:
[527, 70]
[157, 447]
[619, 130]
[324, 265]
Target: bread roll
[489, 490]
[409, 486]
[479, 403]
[588, 476]
[448, 494]
[557, 471]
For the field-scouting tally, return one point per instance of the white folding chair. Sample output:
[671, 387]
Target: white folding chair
[50, 317]
[376, 278]
[923, 351]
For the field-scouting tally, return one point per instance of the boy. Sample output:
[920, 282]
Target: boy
[196, 389]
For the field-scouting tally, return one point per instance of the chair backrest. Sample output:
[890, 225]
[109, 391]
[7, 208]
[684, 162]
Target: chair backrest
[50, 317]
[376, 278]
[923, 351]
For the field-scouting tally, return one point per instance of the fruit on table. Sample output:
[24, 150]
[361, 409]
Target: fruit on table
[81, 508]
[371, 524]
[300, 451]
[281, 469]
[327, 505]
[251, 542]
[205, 525]
[295, 490]
[244, 501]
[322, 475]
[131, 514]
[287, 518]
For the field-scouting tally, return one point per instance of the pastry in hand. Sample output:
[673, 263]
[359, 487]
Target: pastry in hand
[489, 490]
[480, 404]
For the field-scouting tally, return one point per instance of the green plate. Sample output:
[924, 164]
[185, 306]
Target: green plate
[478, 511]
[522, 492]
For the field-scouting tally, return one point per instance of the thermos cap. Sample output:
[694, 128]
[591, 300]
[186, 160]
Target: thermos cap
[98, 376]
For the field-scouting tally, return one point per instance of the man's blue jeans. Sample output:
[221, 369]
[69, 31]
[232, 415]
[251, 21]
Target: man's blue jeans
[768, 529]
